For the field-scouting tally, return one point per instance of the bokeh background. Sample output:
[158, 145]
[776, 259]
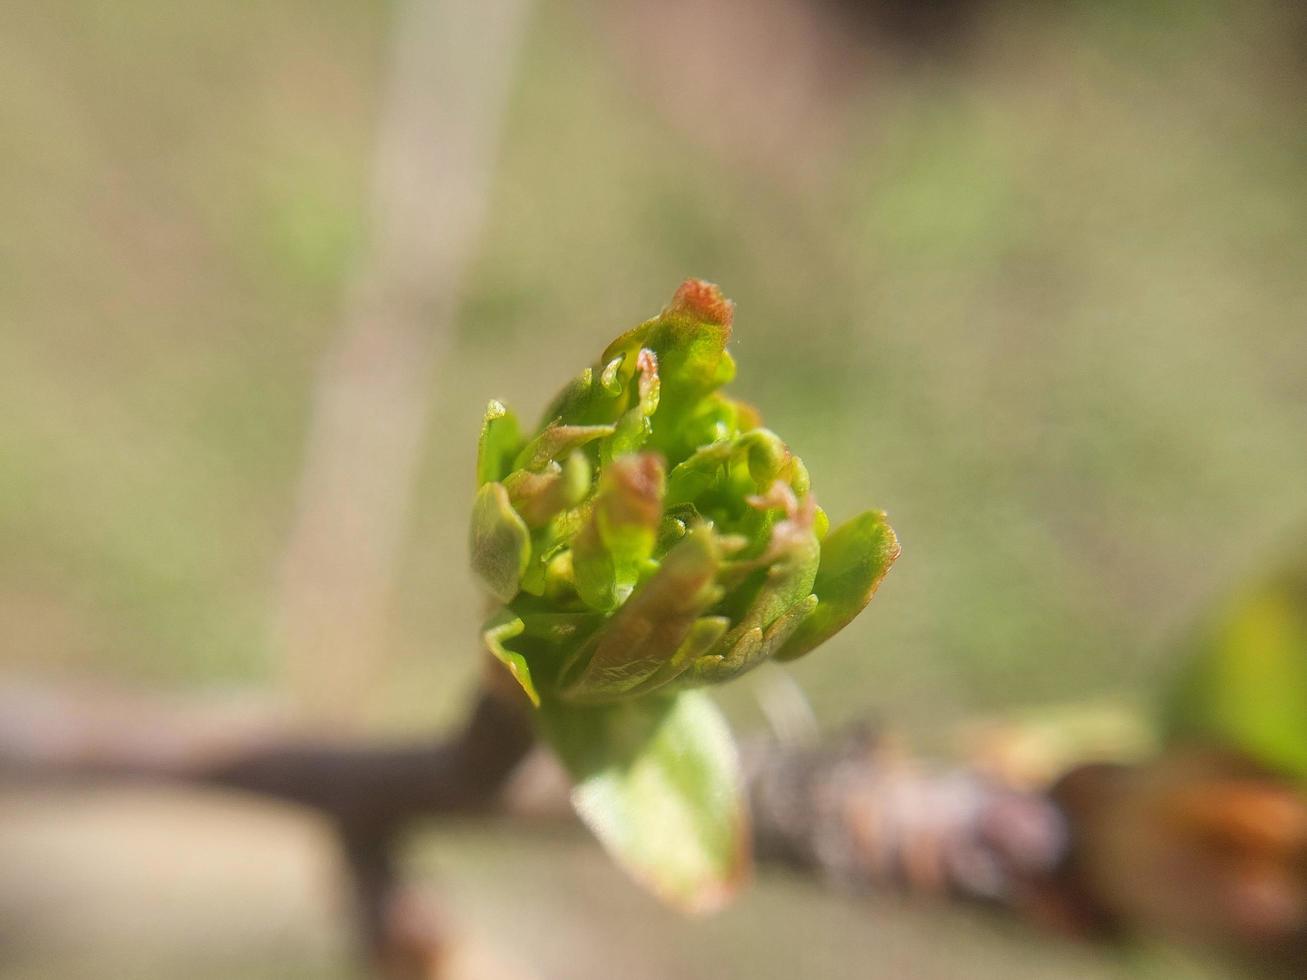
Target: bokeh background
[1028, 276]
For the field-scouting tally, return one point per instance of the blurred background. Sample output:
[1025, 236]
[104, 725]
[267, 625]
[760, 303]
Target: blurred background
[262, 265]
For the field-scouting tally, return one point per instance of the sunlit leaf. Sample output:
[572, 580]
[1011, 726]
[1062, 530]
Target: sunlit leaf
[502, 628]
[537, 495]
[778, 604]
[854, 559]
[611, 549]
[650, 629]
[657, 780]
[500, 542]
[499, 443]
[556, 441]
[634, 427]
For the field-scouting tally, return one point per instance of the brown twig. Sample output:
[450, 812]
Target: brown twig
[370, 793]
[1196, 845]
[863, 815]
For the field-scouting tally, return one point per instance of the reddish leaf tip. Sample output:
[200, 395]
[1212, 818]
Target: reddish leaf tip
[703, 300]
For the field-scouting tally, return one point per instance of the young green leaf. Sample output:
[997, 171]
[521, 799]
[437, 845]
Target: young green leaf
[501, 628]
[649, 631]
[557, 440]
[499, 443]
[500, 542]
[778, 598]
[657, 780]
[537, 495]
[854, 560]
[610, 552]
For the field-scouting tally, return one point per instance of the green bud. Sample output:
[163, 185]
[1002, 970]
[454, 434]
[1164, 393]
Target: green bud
[656, 508]
[651, 536]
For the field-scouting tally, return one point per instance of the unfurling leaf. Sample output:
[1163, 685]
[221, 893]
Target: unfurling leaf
[499, 443]
[646, 634]
[854, 560]
[502, 628]
[657, 781]
[613, 546]
[558, 440]
[501, 544]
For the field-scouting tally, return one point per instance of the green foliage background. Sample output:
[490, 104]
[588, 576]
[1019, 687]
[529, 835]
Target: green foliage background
[1051, 293]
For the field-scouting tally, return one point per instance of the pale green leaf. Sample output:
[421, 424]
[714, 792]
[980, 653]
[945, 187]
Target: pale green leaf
[500, 542]
[503, 627]
[500, 441]
[650, 629]
[556, 441]
[657, 780]
[610, 552]
[854, 558]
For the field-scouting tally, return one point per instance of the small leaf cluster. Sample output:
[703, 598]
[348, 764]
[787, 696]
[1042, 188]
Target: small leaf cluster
[647, 538]
[650, 534]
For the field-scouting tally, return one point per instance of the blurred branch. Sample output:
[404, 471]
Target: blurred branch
[450, 69]
[1196, 845]
[371, 793]
[861, 814]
